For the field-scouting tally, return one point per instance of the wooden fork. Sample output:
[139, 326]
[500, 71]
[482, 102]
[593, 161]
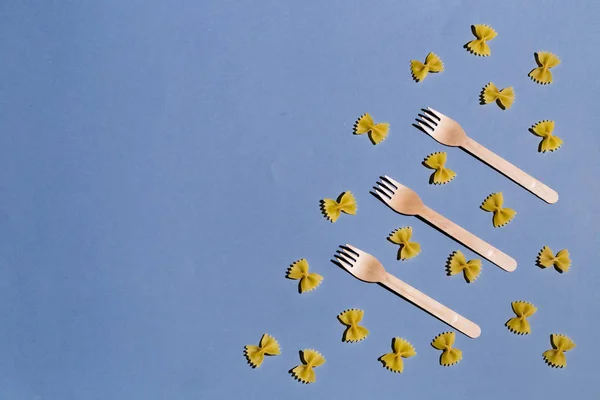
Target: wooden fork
[405, 201]
[448, 132]
[368, 269]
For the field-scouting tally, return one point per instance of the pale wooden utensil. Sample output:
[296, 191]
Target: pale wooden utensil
[405, 201]
[448, 132]
[368, 269]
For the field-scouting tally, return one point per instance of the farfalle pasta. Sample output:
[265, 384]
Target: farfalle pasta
[502, 215]
[457, 263]
[255, 355]
[354, 332]
[560, 261]
[503, 97]
[345, 203]
[549, 142]
[519, 324]
[305, 372]
[545, 61]
[555, 357]
[444, 342]
[437, 161]
[308, 280]
[483, 34]
[401, 348]
[407, 248]
[377, 132]
[420, 70]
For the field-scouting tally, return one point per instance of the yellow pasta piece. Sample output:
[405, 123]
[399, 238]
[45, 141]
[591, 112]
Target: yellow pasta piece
[504, 98]
[561, 260]
[401, 349]
[555, 357]
[432, 64]
[502, 216]
[255, 355]
[549, 142]
[483, 34]
[437, 161]
[353, 332]
[520, 324]
[377, 132]
[457, 263]
[305, 372]
[444, 342]
[402, 237]
[345, 203]
[545, 61]
[308, 280]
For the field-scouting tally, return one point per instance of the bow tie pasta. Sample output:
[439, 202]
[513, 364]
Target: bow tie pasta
[305, 372]
[308, 280]
[502, 216]
[520, 324]
[255, 354]
[401, 349]
[377, 132]
[545, 61]
[444, 342]
[479, 46]
[457, 263]
[345, 203]
[504, 97]
[420, 70]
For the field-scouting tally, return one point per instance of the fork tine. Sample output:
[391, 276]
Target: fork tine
[425, 126]
[393, 182]
[383, 185]
[430, 119]
[354, 249]
[437, 114]
[343, 262]
[382, 195]
[346, 253]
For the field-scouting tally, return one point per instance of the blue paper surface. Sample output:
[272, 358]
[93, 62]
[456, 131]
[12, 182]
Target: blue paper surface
[161, 165]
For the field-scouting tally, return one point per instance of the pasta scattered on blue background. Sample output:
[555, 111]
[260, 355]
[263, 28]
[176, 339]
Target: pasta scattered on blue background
[407, 248]
[494, 203]
[560, 261]
[255, 355]
[420, 70]
[437, 161]
[308, 280]
[305, 372]
[401, 348]
[483, 34]
[377, 132]
[545, 61]
[345, 203]
[354, 332]
[555, 357]
[444, 342]
[503, 97]
[549, 142]
[457, 263]
[519, 324]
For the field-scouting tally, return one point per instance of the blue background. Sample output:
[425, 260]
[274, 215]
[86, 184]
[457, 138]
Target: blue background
[162, 162]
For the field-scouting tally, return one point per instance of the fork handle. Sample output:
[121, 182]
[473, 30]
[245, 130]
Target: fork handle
[433, 307]
[471, 241]
[504, 167]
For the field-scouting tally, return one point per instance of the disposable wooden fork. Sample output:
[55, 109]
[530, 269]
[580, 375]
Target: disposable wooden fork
[448, 132]
[405, 201]
[368, 269]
